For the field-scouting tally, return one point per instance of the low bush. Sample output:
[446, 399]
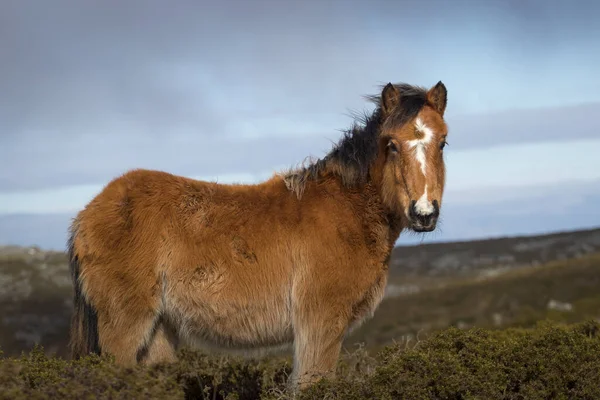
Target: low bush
[550, 361]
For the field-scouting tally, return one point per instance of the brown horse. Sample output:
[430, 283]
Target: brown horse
[160, 260]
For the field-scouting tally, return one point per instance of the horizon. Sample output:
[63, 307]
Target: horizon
[402, 245]
[236, 91]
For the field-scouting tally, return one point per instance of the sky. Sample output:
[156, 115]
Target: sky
[236, 90]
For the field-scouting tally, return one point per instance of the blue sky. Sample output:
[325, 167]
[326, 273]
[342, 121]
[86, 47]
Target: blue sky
[238, 90]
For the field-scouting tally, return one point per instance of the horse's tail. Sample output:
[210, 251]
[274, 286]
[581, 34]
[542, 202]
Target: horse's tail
[84, 321]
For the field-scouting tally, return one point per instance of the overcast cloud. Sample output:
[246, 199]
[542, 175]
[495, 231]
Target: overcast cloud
[101, 67]
[93, 88]
[94, 157]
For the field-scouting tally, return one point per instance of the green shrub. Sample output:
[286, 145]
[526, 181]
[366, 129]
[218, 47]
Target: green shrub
[550, 361]
[35, 376]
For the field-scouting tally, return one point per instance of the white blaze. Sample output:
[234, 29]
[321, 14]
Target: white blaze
[421, 144]
[423, 206]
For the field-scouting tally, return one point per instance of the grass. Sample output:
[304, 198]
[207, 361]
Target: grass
[35, 302]
[36, 291]
[413, 347]
[549, 361]
[518, 298]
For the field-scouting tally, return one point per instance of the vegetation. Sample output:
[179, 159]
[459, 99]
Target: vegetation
[551, 360]
[517, 298]
[471, 330]
[490, 283]
[35, 300]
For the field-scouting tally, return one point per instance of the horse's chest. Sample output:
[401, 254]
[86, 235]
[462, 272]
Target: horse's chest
[366, 305]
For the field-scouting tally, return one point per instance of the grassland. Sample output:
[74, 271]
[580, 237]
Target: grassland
[562, 291]
[549, 361]
[493, 283]
[514, 318]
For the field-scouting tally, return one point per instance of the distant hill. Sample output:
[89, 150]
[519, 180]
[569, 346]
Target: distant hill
[564, 291]
[415, 267]
[35, 285]
[479, 256]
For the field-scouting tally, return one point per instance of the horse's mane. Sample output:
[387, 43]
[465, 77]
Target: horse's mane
[352, 157]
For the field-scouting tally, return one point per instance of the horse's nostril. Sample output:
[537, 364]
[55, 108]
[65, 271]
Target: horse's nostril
[424, 220]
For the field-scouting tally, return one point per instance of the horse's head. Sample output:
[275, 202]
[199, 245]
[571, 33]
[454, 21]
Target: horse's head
[412, 139]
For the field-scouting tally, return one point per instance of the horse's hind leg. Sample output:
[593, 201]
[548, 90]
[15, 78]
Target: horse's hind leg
[124, 335]
[127, 316]
[161, 347]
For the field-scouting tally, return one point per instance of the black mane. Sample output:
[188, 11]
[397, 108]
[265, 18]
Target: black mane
[355, 152]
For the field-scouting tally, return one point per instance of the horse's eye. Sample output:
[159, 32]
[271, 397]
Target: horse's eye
[443, 144]
[392, 147]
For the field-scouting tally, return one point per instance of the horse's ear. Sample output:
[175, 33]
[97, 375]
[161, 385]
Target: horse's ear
[390, 97]
[437, 97]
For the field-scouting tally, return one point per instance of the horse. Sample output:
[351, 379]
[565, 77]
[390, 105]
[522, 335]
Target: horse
[160, 261]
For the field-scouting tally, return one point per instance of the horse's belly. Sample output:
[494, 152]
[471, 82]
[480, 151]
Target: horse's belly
[229, 316]
[242, 327]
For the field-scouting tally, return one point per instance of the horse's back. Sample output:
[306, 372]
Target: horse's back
[153, 220]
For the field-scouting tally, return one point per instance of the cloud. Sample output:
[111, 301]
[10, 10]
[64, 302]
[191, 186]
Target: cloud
[70, 67]
[97, 160]
[524, 126]
[91, 89]
[517, 147]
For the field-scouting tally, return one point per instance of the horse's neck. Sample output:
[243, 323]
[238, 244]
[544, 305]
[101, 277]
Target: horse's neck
[393, 223]
[377, 221]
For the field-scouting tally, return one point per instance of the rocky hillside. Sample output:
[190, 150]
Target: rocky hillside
[35, 299]
[35, 285]
[414, 268]
[482, 256]
[563, 291]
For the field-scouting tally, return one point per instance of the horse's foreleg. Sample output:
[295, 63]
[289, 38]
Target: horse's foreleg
[318, 336]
